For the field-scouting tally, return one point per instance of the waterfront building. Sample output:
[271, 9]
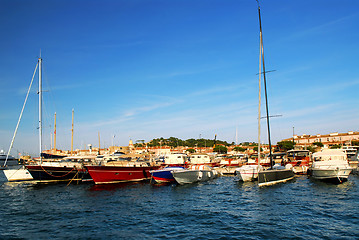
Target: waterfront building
[327, 140]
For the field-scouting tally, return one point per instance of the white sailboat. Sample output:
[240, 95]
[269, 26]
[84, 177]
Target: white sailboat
[20, 173]
[248, 173]
[275, 174]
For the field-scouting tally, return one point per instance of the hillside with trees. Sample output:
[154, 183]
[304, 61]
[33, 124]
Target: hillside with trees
[176, 142]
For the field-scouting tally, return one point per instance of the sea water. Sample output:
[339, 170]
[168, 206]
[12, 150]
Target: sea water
[223, 208]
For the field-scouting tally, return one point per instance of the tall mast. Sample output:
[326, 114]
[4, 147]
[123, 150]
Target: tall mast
[40, 107]
[259, 97]
[265, 87]
[99, 146]
[72, 133]
[22, 110]
[55, 133]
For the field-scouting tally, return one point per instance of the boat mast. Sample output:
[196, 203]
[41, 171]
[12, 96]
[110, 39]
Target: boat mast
[55, 134]
[22, 110]
[265, 86]
[72, 133]
[99, 144]
[40, 107]
[259, 97]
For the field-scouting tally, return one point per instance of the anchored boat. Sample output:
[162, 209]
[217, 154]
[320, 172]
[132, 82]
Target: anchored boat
[330, 165]
[273, 174]
[197, 173]
[165, 175]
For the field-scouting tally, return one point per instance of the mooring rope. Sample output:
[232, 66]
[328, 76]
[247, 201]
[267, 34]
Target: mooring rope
[72, 179]
[55, 175]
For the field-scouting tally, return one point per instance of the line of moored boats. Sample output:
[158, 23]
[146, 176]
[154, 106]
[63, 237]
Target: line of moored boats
[329, 164]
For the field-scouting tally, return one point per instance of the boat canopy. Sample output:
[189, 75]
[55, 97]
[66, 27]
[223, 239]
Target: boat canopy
[330, 154]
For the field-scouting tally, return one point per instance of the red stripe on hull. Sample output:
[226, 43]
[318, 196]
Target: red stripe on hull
[112, 174]
[158, 179]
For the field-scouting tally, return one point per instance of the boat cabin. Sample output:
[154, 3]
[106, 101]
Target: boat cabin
[175, 158]
[329, 154]
[200, 159]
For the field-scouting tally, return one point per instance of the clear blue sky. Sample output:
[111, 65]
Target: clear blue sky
[145, 69]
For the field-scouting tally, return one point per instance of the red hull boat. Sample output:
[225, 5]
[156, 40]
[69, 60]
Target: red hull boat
[117, 174]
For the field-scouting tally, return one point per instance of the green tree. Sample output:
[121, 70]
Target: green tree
[191, 150]
[336, 146]
[318, 144]
[311, 148]
[220, 149]
[174, 142]
[355, 143]
[239, 149]
[285, 145]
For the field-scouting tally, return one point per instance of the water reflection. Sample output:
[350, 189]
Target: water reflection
[114, 186]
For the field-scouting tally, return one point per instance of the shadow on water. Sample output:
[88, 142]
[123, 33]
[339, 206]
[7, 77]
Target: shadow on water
[331, 182]
[254, 184]
[163, 184]
[115, 186]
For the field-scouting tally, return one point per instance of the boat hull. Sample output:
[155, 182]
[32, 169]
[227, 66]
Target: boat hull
[193, 176]
[332, 175]
[300, 170]
[165, 175]
[270, 177]
[54, 174]
[13, 175]
[248, 173]
[117, 174]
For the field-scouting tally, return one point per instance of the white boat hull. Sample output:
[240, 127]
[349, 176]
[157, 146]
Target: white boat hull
[327, 174]
[21, 174]
[248, 173]
[300, 169]
[330, 165]
[193, 176]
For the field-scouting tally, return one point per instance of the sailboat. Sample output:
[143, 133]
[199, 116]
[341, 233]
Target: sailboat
[49, 170]
[249, 172]
[19, 172]
[275, 174]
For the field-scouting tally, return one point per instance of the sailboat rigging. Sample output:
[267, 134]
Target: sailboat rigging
[275, 174]
[19, 174]
[18, 122]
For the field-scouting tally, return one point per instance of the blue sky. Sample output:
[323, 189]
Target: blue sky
[145, 69]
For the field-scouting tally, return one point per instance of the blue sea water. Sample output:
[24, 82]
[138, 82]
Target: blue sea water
[223, 208]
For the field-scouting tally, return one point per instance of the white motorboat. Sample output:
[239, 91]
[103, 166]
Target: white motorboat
[248, 173]
[199, 173]
[352, 155]
[330, 165]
